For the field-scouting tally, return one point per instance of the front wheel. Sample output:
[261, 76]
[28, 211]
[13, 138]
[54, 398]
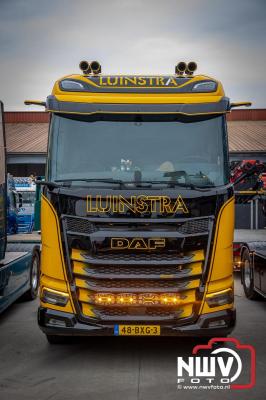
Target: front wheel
[247, 273]
[31, 294]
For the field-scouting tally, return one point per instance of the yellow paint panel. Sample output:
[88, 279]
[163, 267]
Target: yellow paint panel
[87, 310]
[52, 260]
[53, 283]
[198, 255]
[136, 98]
[68, 308]
[221, 271]
[222, 266]
[221, 284]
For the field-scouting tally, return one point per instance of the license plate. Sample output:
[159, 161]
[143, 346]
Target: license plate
[137, 330]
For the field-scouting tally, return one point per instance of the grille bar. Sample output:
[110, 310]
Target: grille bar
[126, 272]
[172, 227]
[136, 286]
[124, 315]
[133, 259]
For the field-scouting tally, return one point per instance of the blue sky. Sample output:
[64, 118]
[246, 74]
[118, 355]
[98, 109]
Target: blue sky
[41, 41]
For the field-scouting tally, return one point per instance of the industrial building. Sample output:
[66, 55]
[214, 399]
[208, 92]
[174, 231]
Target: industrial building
[27, 134]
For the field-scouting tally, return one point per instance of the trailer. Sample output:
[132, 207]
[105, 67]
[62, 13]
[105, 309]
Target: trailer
[19, 254]
[253, 267]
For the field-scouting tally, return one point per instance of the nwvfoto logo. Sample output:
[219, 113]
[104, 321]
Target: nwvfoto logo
[222, 366]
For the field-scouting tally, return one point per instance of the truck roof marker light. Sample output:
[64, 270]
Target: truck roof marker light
[180, 68]
[205, 87]
[68, 84]
[85, 67]
[96, 67]
[191, 68]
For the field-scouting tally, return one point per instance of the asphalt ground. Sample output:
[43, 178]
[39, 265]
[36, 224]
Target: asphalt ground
[119, 368]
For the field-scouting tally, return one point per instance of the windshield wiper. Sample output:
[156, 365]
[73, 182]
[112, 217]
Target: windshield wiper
[180, 184]
[101, 180]
[61, 183]
[49, 184]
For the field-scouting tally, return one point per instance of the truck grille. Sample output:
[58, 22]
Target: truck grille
[79, 225]
[146, 314]
[97, 269]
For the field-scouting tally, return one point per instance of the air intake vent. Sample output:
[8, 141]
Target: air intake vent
[194, 226]
[80, 225]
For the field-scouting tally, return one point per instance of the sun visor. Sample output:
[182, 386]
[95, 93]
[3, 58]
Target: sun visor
[67, 107]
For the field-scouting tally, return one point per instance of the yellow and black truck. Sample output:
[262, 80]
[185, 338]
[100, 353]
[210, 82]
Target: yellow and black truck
[137, 213]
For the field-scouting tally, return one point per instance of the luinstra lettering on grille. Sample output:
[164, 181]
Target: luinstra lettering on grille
[136, 204]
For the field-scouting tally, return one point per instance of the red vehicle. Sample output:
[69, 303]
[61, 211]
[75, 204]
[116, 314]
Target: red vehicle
[249, 175]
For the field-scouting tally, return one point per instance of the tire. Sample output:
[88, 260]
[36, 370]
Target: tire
[57, 339]
[32, 293]
[247, 276]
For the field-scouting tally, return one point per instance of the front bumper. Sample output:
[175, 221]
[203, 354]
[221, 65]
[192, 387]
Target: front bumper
[54, 322]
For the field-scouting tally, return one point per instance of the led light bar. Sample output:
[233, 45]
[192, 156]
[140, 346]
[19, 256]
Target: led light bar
[136, 299]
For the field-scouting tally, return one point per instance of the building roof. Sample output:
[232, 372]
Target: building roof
[247, 136]
[27, 137]
[27, 132]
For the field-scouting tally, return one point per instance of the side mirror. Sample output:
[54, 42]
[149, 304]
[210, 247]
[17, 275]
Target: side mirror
[20, 200]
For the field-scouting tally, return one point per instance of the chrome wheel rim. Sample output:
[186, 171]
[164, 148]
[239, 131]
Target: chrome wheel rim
[34, 274]
[247, 274]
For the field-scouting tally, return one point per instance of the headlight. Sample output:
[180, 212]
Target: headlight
[54, 297]
[220, 298]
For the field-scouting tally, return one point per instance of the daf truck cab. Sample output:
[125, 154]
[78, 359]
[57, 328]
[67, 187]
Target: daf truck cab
[137, 207]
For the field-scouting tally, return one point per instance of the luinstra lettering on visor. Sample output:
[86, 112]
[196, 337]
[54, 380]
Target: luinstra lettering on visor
[136, 204]
[137, 81]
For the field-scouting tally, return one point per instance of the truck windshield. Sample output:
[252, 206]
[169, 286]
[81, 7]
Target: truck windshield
[132, 148]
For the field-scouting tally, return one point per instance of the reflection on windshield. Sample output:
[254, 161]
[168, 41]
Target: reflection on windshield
[139, 151]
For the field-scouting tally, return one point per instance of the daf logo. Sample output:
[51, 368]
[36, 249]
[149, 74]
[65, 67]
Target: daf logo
[137, 243]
